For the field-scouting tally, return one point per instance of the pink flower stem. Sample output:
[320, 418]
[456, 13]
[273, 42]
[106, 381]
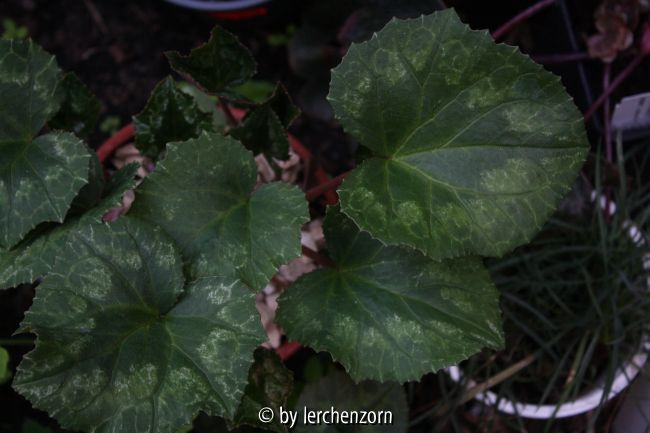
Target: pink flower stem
[505, 28]
[607, 126]
[607, 121]
[614, 84]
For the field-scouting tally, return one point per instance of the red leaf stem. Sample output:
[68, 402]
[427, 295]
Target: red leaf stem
[614, 84]
[505, 28]
[328, 186]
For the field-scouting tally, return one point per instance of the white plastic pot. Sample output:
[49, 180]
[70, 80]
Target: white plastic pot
[584, 403]
[217, 6]
[591, 399]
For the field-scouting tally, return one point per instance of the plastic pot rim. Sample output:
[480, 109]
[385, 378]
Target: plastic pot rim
[586, 402]
[217, 6]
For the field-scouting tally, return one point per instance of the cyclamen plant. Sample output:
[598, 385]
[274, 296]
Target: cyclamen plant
[147, 320]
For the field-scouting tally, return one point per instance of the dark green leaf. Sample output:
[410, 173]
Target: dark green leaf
[121, 181]
[79, 110]
[27, 74]
[35, 256]
[338, 391]
[216, 66]
[263, 130]
[280, 103]
[391, 313]
[39, 177]
[170, 115]
[269, 385]
[202, 195]
[473, 143]
[255, 90]
[207, 103]
[110, 125]
[91, 193]
[125, 345]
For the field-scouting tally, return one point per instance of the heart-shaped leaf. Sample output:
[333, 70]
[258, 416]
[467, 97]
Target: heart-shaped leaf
[202, 195]
[35, 255]
[391, 313]
[39, 177]
[473, 144]
[124, 344]
[264, 129]
[170, 115]
[79, 109]
[217, 66]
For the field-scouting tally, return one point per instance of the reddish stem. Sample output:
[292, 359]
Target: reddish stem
[114, 141]
[505, 28]
[287, 350]
[318, 258]
[608, 135]
[607, 121]
[230, 117]
[614, 84]
[324, 187]
[320, 174]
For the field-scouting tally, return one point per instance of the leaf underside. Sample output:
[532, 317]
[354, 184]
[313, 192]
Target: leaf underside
[124, 344]
[391, 313]
[202, 195]
[39, 177]
[473, 144]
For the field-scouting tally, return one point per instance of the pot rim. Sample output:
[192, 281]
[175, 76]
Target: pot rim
[217, 6]
[590, 400]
